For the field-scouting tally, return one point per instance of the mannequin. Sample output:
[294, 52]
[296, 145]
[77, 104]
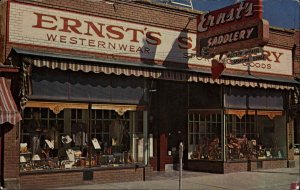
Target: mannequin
[35, 131]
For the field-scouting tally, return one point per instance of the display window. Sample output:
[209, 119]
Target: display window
[247, 135]
[255, 134]
[79, 138]
[204, 135]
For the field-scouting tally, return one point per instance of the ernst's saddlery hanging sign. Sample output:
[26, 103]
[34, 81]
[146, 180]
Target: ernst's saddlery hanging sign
[236, 27]
[57, 29]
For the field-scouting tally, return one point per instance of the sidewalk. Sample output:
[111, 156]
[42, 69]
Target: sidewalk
[271, 179]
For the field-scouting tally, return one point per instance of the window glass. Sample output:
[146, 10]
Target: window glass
[61, 141]
[271, 137]
[240, 134]
[253, 136]
[204, 135]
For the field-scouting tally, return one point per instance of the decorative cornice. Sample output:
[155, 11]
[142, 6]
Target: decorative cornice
[120, 109]
[57, 107]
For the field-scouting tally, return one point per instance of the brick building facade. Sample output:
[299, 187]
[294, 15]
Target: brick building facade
[296, 58]
[133, 64]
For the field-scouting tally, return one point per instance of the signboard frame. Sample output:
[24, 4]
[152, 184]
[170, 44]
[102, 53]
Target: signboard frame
[231, 29]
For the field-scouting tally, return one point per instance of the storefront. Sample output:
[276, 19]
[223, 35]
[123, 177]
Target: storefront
[106, 96]
[79, 123]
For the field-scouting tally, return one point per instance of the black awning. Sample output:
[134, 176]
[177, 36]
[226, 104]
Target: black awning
[70, 86]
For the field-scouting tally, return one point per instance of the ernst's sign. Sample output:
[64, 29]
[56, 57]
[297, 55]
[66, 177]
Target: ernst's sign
[235, 27]
[57, 29]
[231, 37]
[238, 12]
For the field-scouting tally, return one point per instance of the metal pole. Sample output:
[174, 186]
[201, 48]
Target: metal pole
[180, 164]
[90, 134]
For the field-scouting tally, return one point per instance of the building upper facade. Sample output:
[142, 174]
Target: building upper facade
[129, 31]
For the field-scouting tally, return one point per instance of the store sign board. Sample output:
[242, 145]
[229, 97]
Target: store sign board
[38, 26]
[244, 56]
[245, 52]
[247, 56]
[235, 27]
[246, 59]
[233, 14]
[231, 37]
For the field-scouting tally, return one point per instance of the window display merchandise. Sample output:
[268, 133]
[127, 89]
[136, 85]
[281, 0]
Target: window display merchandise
[253, 135]
[67, 140]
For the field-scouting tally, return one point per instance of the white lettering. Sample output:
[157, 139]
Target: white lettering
[249, 32]
[201, 27]
[238, 10]
[208, 20]
[230, 37]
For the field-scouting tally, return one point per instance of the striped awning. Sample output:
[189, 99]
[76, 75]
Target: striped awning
[155, 71]
[8, 109]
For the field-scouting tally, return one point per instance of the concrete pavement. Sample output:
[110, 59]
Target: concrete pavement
[275, 179]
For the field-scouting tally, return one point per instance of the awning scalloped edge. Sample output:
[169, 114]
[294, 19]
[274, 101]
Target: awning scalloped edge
[151, 73]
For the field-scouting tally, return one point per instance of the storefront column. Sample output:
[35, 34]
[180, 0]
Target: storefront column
[290, 142]
[145, 134]
[145, 122]
[223, 136]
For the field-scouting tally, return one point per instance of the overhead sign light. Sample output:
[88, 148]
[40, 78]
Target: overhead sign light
[236, 27]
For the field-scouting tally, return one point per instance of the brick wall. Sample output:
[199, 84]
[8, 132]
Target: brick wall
[274, 164]
[2, 30]
[141, 11]
[11, 155]
[110, 176]
[297, 53]
[73, 178]
[235, 167]
[281, 38]
[42, 181]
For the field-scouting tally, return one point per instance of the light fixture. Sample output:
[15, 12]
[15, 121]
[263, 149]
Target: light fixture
[36, 157]
[23, 159]
[22, 162]
[109, 2]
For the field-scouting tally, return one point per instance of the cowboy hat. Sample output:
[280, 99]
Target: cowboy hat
[66, 139]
